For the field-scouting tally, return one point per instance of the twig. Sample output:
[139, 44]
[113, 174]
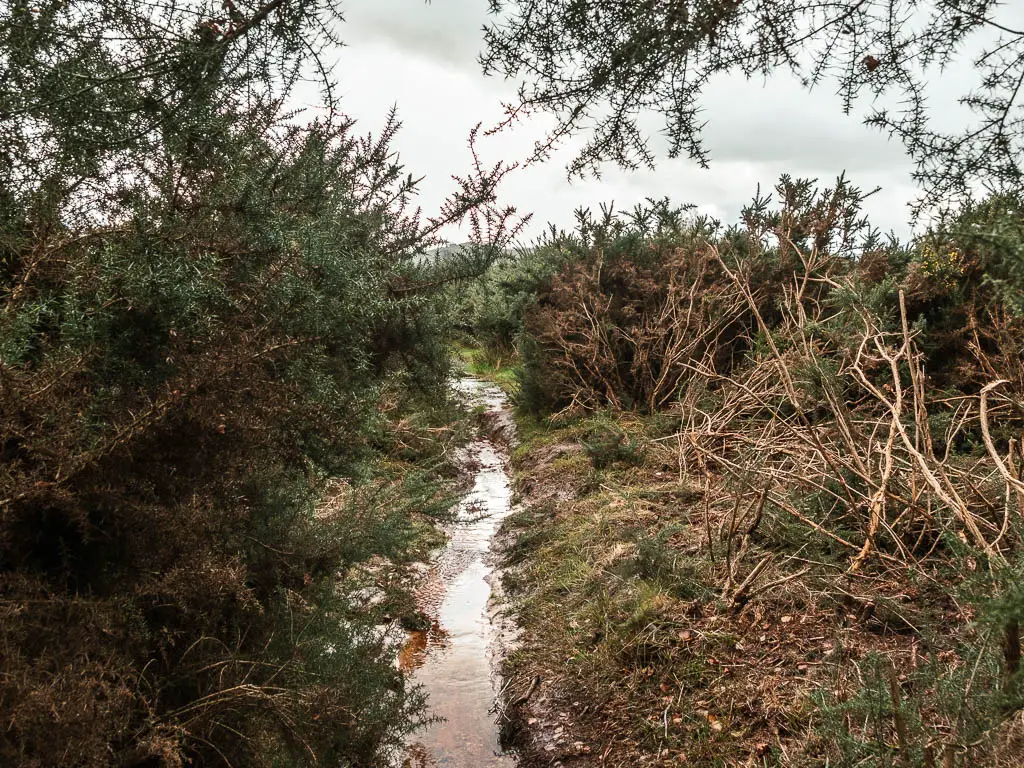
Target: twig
[519, 701]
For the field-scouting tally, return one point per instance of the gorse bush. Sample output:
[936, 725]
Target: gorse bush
[884, 721]
[606, 444]
[629, 307]
[851, 407]
[204, 307]
[490, 309]
[642, 301]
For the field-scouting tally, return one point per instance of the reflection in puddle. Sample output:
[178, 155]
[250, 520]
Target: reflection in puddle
[414, 651]
[452, 660]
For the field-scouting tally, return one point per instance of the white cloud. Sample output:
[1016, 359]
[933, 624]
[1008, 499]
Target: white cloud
[422, 57]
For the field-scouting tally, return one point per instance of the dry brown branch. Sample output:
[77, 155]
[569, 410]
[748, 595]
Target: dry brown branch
[902, 733]
[932, 471]
[876, 505]
[737, 597]
[1004, 470]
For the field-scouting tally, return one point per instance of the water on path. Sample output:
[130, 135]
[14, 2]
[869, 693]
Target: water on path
[454, 659]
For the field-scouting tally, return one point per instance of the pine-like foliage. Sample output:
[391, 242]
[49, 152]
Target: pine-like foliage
[598, 65]
[201, 303]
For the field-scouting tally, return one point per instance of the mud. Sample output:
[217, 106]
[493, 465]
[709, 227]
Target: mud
[456, 659]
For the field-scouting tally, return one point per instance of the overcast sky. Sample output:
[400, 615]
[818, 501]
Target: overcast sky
[422, 58]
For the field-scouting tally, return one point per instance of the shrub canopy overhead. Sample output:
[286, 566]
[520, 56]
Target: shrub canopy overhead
[597, 65]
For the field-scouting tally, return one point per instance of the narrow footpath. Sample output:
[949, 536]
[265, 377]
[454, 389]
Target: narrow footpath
[455, 660]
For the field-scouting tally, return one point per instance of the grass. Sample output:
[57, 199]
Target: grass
[476, 362]
[600, 589]
[624, 609]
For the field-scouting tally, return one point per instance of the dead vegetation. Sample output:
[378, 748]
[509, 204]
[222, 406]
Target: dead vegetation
[816, 560]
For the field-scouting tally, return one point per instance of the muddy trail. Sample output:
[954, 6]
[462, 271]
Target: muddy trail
[456, 659]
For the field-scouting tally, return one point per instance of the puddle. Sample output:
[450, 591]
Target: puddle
[454, 660]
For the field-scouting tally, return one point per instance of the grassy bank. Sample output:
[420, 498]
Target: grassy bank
[474, 361]
[772, 486]
[668, 630]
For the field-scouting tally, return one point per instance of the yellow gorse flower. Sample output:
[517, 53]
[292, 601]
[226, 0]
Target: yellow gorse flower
[944, 266]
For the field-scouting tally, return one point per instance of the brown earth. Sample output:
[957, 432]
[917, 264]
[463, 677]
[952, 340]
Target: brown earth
[649, 653]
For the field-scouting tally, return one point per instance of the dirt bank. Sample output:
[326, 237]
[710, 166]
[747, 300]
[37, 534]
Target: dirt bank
[660, 638]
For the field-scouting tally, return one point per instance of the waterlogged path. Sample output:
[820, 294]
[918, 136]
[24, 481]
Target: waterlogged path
[454, 660]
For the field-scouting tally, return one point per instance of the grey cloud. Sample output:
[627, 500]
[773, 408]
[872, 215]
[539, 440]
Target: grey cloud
[447, 31]
[780, 122]
[422, 57]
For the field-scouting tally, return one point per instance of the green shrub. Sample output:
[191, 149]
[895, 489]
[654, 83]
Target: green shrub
[211, 314]
[489, 310]
[608, 444]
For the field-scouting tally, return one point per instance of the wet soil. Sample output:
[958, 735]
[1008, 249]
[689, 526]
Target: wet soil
[455, 660]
